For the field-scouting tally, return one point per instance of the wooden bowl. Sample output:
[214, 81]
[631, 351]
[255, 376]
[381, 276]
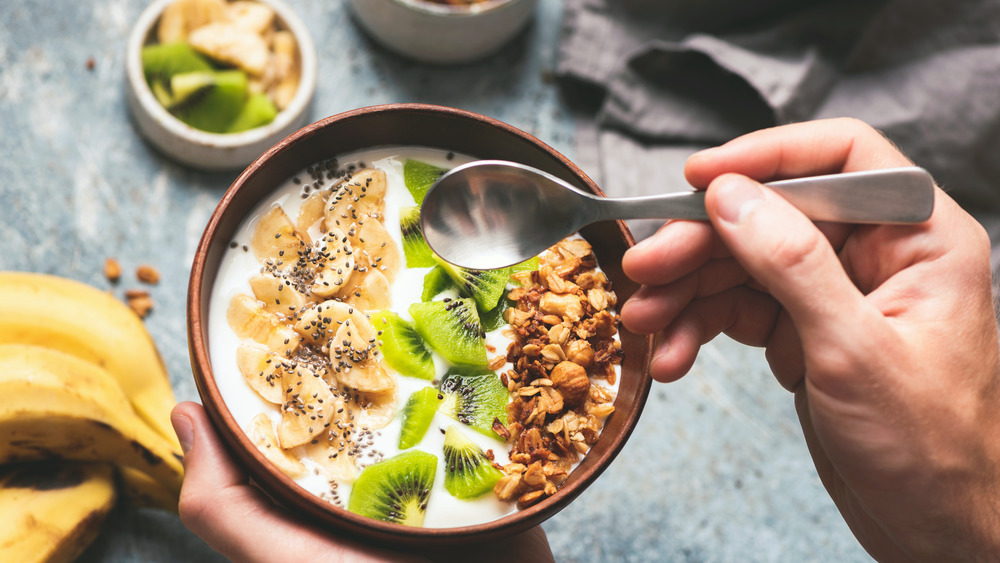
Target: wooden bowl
[426, 126]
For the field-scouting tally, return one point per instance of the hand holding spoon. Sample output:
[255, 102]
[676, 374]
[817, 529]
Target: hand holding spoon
[491, 214]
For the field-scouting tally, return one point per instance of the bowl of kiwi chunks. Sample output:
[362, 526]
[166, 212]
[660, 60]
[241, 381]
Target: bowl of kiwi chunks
[212, 84]
[404, 478]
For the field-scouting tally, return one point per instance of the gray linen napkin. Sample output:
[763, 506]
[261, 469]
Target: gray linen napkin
[660, 79]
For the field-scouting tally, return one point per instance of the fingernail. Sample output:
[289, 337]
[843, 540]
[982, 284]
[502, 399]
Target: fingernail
[184, 430]
[737, 196]
[704, 152]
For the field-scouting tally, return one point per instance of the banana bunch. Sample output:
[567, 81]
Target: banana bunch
[84, 416]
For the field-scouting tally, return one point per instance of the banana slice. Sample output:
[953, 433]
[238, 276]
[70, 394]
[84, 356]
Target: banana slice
[262, 435]
[181, 17]
[232, 44]
[370, 293]
[311, 210]
[354, 356]
[262, 372]
[252, 16]
[335, 458]
[375, 249]
[249, 320]
[278, 296]
[319, 323]
[275, 238]
[375, 410]
[287, 68]
[308, 407]
[335, 260]
[356, 199]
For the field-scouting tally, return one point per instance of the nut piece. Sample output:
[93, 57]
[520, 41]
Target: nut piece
[571, 380]
[139, 301]
[147, 274]
[112, 270]
[580, 352]
[567, 306]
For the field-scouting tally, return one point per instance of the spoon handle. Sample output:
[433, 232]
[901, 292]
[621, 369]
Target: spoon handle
[891, 195]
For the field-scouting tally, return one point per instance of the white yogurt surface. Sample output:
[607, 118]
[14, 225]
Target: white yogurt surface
[443, 510]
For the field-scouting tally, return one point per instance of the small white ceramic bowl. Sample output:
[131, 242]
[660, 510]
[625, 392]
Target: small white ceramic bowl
[440, 33]
[214, 151]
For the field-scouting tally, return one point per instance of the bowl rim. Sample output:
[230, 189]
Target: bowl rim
[253, 460]
[139, 37]
[456, 11]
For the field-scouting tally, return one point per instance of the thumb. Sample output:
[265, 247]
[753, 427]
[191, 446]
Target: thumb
[787, 254]
[220, 506]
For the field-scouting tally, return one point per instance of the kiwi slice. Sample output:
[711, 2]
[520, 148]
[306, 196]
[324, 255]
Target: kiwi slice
[161, 62]
[451, 327]
[395, 489]
[474, 397]
[435, 282]
[209, 100]
[485, 286]
[418, 254]
[258, 111]
[419, 177]
[468, 473]
[403, 349]
[493, 319]
[417, 416]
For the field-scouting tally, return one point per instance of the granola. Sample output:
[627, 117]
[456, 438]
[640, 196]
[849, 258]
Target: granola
[563, 330]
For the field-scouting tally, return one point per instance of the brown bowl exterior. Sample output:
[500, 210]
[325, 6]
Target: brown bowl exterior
[426, 126]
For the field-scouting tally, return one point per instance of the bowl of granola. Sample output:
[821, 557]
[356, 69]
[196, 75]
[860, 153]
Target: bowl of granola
[443, 31]
[373, 388]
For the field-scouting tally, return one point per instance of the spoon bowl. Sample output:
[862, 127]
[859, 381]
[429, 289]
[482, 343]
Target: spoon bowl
[491, 214]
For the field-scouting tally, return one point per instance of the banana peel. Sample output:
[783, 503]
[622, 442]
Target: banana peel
[53, 510]
[87, 323]
[54, 405]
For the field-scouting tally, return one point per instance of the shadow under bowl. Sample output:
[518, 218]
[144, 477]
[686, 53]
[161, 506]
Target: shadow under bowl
[432, 127]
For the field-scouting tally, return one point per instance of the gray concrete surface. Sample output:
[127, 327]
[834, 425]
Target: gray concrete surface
[717, 469]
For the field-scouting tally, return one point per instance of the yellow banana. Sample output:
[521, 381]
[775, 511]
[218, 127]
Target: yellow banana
[54, 405]
[52, 510]
[92, 325]
[141, 490]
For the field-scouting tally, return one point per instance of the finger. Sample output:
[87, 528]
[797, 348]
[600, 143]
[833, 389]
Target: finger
[652, 308]
[237, 520]
[784, 353]
[743, 314]
[801, 149]
[675, 250]
[786, 253]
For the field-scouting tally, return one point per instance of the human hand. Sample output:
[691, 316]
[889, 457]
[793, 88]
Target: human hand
[220, 506]
[885, 334]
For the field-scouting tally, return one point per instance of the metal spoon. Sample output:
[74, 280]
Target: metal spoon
[491, 214]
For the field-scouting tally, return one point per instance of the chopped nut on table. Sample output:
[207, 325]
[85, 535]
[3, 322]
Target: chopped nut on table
[564, 336]
[140, 302]
[147, 274]
[112, 270]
